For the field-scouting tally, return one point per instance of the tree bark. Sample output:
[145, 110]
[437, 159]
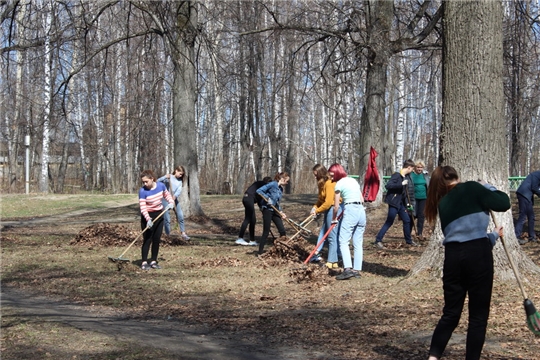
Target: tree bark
[372, 132]
[185, 97]
[473, 136]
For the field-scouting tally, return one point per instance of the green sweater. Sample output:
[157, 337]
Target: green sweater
[464, 211]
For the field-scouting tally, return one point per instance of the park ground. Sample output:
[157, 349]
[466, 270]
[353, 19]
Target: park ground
[62, 298]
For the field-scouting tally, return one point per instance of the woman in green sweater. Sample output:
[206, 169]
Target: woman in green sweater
[420, 181]
[463, 209]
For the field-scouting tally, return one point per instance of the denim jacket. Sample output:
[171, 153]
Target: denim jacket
[174, 185]
[273, 192]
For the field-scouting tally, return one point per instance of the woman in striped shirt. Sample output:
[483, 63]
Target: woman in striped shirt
[150, 196]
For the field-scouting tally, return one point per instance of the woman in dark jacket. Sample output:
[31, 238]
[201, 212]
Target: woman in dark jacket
[249, 200]
[398, 203]
[271, 194]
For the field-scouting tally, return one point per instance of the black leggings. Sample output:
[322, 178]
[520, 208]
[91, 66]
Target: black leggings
[270, 215]
[249, 217]
[151, 236]
[468, 269]
[420, 216]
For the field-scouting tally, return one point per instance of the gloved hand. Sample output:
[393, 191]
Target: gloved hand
[335, 221]
[169, 206]
[313, 212]
[149, 223]
[404, 182]
[410, 208]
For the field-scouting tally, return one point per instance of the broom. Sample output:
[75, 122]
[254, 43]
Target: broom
[533, 317]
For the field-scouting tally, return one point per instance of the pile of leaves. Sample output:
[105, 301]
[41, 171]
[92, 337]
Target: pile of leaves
[224, 261]
[104, 234]
[287, 250]
[312, 273]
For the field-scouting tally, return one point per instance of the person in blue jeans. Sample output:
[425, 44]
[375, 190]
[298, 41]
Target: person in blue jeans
[400, 198]
[352, 223]
[174, 182]
[271, 194]
[324, 206]
[525, 195]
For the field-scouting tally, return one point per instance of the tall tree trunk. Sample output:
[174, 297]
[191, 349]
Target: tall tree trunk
[473, 129]
[47, 102]
[185, 96]
[372, 129]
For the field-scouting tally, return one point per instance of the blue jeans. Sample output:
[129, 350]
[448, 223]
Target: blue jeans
[331, 239]
[392, 212]
[526, 212]
[167, 217]
[352, 225]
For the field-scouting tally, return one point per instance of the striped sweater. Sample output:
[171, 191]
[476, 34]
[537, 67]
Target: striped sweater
[464, 211]
[150, 200]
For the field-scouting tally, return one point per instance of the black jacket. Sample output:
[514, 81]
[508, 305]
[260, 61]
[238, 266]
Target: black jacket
[396, 193]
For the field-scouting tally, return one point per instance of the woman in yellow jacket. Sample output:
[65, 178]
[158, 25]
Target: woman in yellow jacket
[324, 206]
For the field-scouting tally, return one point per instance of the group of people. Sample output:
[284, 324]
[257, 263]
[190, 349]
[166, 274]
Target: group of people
[463, 209]
[406, 195]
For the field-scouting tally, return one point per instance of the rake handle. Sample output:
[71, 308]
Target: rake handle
[323, 238]
[138, 236]
[411, 213]
[304, 223]
[296, 226]
[514, 268]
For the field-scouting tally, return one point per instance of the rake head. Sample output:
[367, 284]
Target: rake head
[533, 317]
[118, 259]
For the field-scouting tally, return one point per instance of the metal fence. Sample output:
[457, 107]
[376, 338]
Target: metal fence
[513, 181]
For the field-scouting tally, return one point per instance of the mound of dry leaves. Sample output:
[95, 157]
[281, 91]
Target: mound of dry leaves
[105, 234]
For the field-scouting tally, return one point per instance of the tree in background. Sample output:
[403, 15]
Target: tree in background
[473, 134]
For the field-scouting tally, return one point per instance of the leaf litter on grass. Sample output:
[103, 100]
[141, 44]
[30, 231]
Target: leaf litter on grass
[374, 317]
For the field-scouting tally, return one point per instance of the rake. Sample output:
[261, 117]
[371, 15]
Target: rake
[322, 239]
[295, 225]
[533, 317]
[306, 222]
[411, 213]
[120, 259]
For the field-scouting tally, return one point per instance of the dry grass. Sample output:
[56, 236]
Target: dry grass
[228, 290]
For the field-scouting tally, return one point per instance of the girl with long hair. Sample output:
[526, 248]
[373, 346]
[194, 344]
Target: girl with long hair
[464, 212]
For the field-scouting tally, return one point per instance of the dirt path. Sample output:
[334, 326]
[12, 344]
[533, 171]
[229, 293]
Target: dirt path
[191, 342]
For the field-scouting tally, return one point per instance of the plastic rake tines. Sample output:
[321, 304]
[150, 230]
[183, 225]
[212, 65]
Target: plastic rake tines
[533, 317]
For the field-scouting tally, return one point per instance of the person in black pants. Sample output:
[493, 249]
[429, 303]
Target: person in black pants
[525, 195]
[249, 200]
[271, 194]
[463, 209]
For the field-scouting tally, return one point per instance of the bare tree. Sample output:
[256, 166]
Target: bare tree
[473, 130]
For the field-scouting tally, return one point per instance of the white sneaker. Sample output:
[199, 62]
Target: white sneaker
[253, 243]
[241, 241]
